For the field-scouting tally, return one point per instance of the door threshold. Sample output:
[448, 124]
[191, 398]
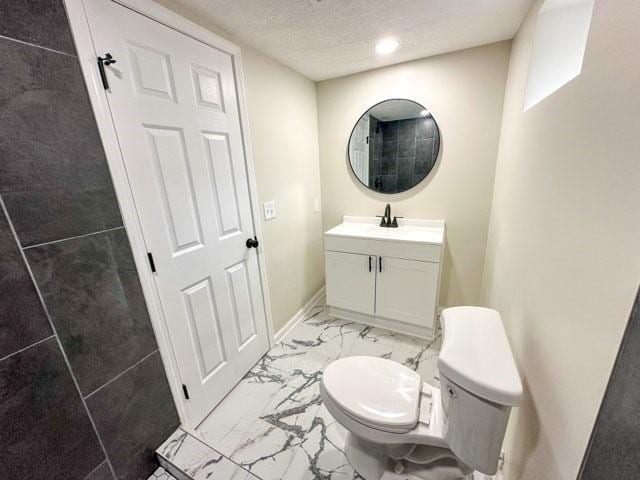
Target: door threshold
[188, 458]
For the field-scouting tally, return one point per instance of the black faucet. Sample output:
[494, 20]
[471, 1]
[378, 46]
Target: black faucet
[387, 214]
[386, 218]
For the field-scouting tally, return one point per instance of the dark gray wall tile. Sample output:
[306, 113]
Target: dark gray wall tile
[389, 161]
[134, 415]
[614, 447]
[22, 317]
[406, 166]
[405, 182]
[91, 288]
[426, 128]
[53, 213]
[407, 147]
[41, 22]
[418, 177]
[416, 140]
[46, 432]
[389, 131]
[405, 173]
[53, 172]
[374, 168]
[103, 472]
[406, 138]
[389, 150]
[56, 184]
[388, 183]
[424, 156]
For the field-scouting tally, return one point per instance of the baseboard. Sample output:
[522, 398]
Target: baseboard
[386, 323]
[300, 314]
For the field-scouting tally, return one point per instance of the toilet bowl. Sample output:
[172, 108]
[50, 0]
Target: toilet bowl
[400, 427]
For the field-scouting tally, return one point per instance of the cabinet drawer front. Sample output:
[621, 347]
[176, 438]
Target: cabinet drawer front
[412, 251]
[406, 291]
[350, 282]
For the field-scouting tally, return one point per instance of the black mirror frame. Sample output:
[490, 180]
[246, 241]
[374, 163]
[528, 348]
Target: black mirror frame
[353, 130]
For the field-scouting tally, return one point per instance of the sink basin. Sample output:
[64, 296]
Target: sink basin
[409, 230]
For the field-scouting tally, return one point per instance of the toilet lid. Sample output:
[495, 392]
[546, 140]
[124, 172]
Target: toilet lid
[476, 355]
[378, 392]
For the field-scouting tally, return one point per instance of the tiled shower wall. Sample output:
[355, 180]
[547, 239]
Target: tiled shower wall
[83, 393]
[613, 450]
[401, 152]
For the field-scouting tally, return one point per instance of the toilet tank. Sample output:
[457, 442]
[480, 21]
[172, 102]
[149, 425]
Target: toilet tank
[479, 385]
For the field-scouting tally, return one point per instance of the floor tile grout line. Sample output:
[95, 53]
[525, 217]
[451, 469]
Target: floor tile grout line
[95, 469]
[405, 349]
[126, 370]
[24, 349]
[218, 452]
[322, 308]
[29, 44]
[73, 237]
[3, 208]
[238, 465]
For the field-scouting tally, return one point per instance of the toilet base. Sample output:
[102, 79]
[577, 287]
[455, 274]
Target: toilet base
[372, 462]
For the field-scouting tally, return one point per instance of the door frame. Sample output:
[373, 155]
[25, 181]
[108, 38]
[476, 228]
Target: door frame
[87, 56]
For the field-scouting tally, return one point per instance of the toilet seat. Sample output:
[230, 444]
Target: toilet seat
[356, 390]
[392, 414]
[427, 421]
[376, 392]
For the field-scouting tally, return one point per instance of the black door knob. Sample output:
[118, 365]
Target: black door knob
[252, 242]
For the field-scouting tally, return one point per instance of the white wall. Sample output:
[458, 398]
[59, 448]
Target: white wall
[563, 258]
[284, 133]
[562, 28]
[284, 137]
[465, 92]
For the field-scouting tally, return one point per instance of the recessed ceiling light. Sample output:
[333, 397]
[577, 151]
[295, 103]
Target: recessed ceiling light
[386, 46]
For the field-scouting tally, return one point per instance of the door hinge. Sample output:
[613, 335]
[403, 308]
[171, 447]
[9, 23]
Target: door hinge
[185, 391]
[152, 264]
[102, 61]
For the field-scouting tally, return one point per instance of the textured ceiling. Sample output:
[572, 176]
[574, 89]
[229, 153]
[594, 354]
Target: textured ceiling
[397, 109]
[330, 38]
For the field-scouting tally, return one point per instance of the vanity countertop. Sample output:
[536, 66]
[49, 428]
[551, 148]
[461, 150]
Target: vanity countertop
[409, 230]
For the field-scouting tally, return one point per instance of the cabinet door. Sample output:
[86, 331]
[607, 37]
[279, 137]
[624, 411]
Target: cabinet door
[351, 281]
[406, 290]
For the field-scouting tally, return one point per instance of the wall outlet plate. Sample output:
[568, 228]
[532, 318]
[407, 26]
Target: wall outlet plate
[269, 209]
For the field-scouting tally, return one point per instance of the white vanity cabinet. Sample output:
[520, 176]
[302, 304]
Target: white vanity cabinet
[386, 277]
[351, 281]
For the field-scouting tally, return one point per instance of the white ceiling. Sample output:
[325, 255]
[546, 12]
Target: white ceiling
[396, 110]
[330, 38]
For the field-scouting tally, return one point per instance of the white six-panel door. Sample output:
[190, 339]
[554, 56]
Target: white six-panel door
[359, 149]
[174, 105]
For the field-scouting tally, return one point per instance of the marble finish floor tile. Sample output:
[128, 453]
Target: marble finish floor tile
[161, 474]
[188, 458]
[273, 423]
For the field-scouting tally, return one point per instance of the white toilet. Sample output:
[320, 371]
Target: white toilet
[402, 428]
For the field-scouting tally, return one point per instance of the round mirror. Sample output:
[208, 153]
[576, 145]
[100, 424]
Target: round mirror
[394, 145]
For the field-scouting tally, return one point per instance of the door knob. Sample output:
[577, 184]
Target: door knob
[252, 242]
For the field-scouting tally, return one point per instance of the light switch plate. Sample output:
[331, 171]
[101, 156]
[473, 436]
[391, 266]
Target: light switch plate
[269, 210]
[316, 204]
